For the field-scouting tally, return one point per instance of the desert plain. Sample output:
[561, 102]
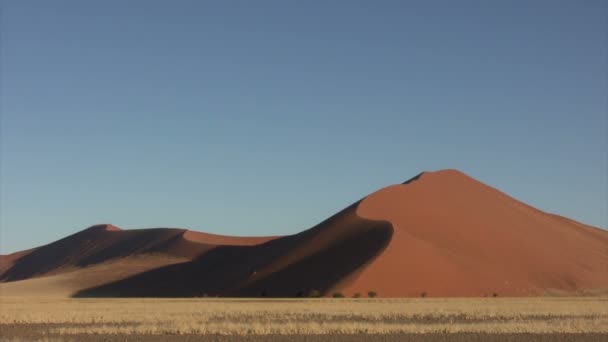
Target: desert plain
[439, 257]
[322, 319]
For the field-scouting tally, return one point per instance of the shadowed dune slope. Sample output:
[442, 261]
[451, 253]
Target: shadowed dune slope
[7, 261]
[440, 233]
[289, 266]
[64, 283]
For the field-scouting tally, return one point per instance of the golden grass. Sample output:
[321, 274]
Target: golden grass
[38, 339]
[310, 316]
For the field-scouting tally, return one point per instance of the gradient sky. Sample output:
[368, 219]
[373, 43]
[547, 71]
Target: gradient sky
[266, 117]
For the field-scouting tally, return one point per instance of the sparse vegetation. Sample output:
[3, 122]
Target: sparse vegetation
[280, 316]
[423, 294]
[494, 294]
[357, 295]
[337, 295]
[372, 294]
[314, 293]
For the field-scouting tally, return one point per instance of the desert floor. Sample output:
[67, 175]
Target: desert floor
[214, 319]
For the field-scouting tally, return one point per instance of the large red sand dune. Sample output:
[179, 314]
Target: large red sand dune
[454, 236]
[441, 233]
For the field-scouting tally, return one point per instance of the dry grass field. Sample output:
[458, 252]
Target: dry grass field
[54, 319]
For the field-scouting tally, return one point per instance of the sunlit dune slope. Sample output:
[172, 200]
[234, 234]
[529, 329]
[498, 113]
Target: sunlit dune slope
[455, 236]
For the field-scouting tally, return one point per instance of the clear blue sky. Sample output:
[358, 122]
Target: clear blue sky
[266, 117]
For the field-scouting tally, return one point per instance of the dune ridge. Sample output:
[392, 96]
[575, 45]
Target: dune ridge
[102, 243]
[439, 233]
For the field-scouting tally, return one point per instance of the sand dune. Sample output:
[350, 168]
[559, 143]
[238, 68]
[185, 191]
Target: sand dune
[455, 236]
[286, 267]
[440, 233]
[105, 242]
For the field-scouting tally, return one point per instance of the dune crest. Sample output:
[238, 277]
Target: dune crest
[439, 233]
[214, 239]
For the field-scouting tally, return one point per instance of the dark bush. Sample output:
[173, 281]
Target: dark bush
[337, 295]
[494, 294]
[357, 295]
[423, 294]
[372, 294]
[314, 293]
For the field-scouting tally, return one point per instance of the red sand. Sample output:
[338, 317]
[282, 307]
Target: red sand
[442, 233]
[455, 236]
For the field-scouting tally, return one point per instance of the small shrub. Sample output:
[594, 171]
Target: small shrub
[337, 295]
[423, 294]
[372, 294]
[314, 293]
[357, 295]
[494, 294]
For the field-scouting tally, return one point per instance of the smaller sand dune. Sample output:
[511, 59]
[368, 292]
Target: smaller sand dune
[101, 243]
[289, 266]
